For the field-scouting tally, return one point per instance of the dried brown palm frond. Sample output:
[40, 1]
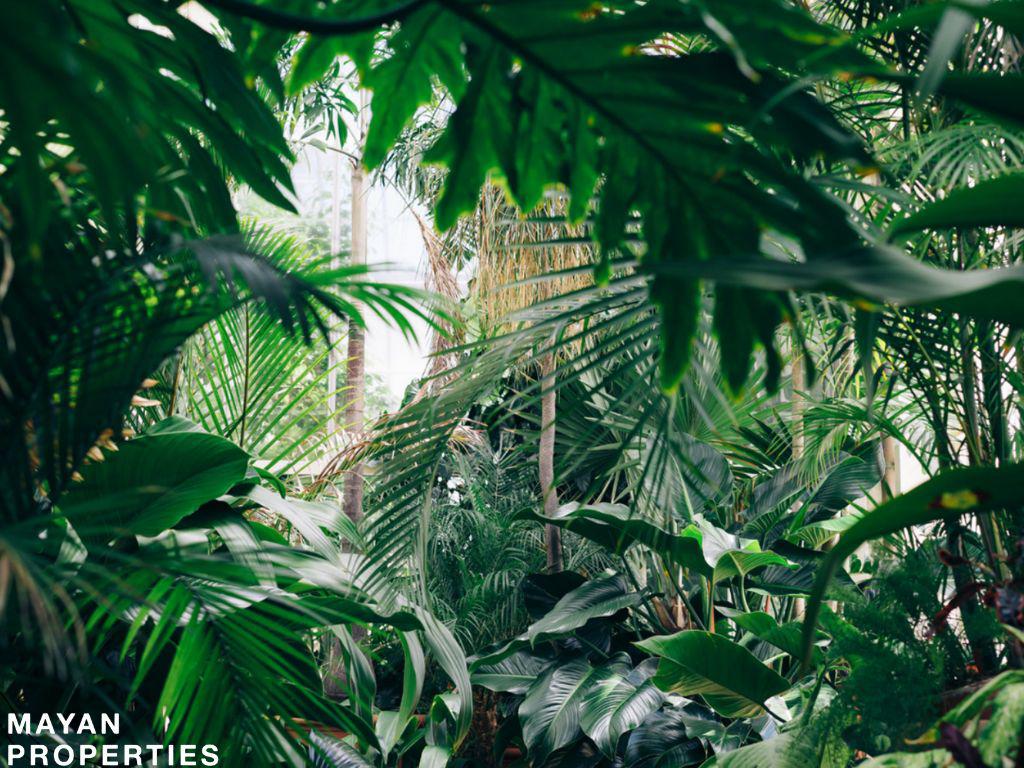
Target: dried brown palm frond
[514, 248]
[440, 279]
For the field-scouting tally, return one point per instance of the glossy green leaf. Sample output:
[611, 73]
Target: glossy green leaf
[514, 674]
[989, 203]
[616, 529]
[153, 482]
[800, 747]
[729, 678]
[676, 736]
[600, 597]
[930, 758]
[618, 700]
[786, 637]
[425, 46]
[550, 713]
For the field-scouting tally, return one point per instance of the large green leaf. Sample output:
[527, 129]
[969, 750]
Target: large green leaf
[930, 758]
[600, 597]
[674, 737]
[704, 548]
[618, 700]
[450, 657]
[514, 674]
[776, 580]
[947, 496]
[616, 529]
[731, 680]
[542, 591]
[729, 555]
[312, 520]
[786, 637]
[550, 713]
[153, 482]
[989, 203]
[426, 46]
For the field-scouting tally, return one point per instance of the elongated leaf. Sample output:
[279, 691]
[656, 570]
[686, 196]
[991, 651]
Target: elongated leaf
[514, 674]
[786, 637]
[674, 737]
[327, 752]
[604, 596]
[550, 713]
[728, 676]
[452, 659]
[931, 758]
[989, 203]
[153, 482]
[614, 528]
[617, 702]
[542, 591]
[801, 747]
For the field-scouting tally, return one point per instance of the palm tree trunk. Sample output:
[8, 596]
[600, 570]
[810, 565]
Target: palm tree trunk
[334, 336]
[355, 371]
[353, 405]
[546, 461]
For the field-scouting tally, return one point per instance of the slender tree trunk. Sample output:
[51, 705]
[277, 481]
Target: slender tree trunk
[355, 372]
[334, 359]
[890, 468]
[546, 461]
[353, 403]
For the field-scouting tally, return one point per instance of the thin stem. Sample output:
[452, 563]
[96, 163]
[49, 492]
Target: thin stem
[743, 592]
[652, 617]
[245, 379]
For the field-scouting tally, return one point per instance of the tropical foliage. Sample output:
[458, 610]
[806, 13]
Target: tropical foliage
[703, 276]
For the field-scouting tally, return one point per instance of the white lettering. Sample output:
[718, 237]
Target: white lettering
[20, 725]
[37, 752]
[110, 725]
[14, 751]
[133, 754]
[210, 756]
[86, 726]
[63, 749]
[65, 722]
[45, 725]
